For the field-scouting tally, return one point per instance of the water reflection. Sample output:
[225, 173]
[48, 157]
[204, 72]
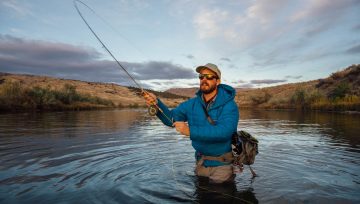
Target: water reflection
[341, 127]
[126, 156]
[68, 123]
[222, 193]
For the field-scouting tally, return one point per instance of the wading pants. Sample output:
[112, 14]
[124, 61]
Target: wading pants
[217, 174]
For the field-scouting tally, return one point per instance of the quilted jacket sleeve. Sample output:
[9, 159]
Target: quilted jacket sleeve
[176, 114]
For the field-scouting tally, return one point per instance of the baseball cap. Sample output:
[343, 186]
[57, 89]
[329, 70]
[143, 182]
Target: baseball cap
[211, 67]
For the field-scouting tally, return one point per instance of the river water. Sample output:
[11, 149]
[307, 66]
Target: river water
[126, 156]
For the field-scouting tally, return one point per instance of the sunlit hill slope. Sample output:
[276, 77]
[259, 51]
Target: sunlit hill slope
[340, 92]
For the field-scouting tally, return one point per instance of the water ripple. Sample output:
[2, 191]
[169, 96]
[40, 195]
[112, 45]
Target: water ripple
[127, 156]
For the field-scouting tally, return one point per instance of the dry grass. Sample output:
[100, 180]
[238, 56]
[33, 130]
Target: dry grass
[14, 97]
[340, 91]
[120, 96]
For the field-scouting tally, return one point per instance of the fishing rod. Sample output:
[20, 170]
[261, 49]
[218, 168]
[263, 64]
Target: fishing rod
[154, 108]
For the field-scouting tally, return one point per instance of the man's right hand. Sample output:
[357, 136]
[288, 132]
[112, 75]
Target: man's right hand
[150, 98]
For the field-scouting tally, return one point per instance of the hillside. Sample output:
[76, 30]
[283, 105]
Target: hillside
[188, 92]
[118, 96]
[339, 91]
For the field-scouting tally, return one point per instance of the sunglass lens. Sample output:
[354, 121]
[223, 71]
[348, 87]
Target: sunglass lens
[207, 76]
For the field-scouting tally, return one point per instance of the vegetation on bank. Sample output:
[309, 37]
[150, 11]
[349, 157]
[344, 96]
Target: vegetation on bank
[14, 97]
[339, 92]
[315, 100]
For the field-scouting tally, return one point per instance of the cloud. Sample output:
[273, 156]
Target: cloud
[326, 12]
[159, 70]
[264, 11]
[356, 28]
[240, 27]
[322, 9]
[277, 35]
[238, 82]
[78, 62]
[190, 56]
[353, 50]
[293, 77]
[164, 84]
[19, 8]
[208, 22]
[265, 22]
[245, 86]
[36, 49]
[267, 81]
[255, 83]
[232, 66]
[225, 59]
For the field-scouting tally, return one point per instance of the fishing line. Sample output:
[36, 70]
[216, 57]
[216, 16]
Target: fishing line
[151, 111]
[104, 46]
[114, 29]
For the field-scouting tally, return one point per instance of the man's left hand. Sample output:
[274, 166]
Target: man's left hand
[182, 128]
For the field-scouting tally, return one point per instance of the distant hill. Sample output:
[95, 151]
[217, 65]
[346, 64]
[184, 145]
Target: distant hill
[339, 91]
[188, 92]
[43, 86]
[348, 78]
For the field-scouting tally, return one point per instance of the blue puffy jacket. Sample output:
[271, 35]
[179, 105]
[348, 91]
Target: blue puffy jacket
[207, 139]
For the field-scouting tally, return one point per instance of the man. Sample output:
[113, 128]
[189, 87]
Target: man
[209, 119]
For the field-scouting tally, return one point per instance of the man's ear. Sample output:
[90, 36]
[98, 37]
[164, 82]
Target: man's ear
[218, 81]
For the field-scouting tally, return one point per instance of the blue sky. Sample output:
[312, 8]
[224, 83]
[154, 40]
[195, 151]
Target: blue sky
[255, 43]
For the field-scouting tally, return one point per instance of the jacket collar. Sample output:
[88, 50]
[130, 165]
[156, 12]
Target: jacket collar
[225, 94]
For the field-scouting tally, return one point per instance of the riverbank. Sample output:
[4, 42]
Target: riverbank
[19, 92]
[338, 92]
[15, 97]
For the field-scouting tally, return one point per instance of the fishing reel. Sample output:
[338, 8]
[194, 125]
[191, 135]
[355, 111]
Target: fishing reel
[152, 110]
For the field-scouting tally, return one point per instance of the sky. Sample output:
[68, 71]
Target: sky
[255, 43]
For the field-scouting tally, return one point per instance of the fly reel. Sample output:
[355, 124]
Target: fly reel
[152, 110]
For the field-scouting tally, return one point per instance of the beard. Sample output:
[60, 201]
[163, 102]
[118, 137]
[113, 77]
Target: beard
[205, 88]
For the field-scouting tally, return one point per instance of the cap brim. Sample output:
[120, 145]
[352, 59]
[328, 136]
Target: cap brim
[199, 68]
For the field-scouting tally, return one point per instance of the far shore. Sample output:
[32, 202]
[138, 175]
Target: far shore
[95, 108]
[340, 92]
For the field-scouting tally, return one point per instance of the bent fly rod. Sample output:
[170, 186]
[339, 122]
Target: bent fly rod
[154, 108]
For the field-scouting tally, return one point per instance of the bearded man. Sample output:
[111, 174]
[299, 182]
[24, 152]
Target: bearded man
[209, 119]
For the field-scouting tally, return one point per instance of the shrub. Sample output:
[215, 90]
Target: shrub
[298, 99]
[340, 91]
[337, 75]
[320, 83]
[313, 96]
[42, 97]
[12, 90]
[258, 99]
[134, 105]
[13, 97]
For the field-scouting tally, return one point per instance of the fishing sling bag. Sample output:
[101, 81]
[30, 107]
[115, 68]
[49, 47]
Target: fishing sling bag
[244, 148]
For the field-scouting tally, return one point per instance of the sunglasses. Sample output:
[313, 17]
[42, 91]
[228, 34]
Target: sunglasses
[207, 76]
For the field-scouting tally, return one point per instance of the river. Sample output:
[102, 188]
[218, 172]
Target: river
[126, 156]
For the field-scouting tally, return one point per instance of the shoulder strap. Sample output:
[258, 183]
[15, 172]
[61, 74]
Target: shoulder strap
[208, 116]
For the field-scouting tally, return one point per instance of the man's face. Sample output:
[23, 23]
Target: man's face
[208, 85]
